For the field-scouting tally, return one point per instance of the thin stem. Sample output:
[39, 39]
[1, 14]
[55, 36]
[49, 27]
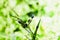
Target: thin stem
[15, 12]
[30, 30]
[27, 37]
[34, 35]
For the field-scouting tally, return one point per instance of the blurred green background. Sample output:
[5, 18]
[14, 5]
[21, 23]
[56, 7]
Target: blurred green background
[46, 10]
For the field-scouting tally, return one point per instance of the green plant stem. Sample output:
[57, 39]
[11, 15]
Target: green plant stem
[34, 35]
[30, 30]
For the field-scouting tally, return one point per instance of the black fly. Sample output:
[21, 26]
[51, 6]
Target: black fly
[24, 25]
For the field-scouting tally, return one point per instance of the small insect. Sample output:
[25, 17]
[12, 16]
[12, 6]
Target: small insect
[24, 25]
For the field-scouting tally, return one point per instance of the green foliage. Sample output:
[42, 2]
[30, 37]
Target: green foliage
[18, 2]
[14, 23]
[58, 38]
